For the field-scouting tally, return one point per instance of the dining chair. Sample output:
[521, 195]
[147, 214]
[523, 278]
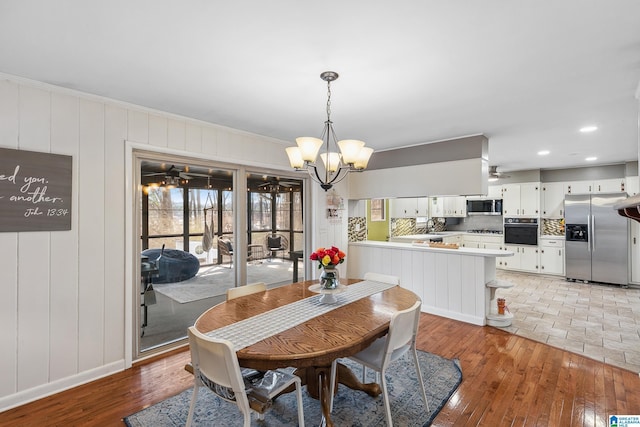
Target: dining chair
[248, 289]
[215, 366]
[400, 340]
[384, 278]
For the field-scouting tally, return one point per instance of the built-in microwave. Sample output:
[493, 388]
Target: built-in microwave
[484, 206]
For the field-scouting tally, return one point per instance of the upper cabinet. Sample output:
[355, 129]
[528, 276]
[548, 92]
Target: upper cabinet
[632, 185]
[409, 207]
[447, 206]
[521, 199]
[552, 200]
[615, 185]
[455, 206]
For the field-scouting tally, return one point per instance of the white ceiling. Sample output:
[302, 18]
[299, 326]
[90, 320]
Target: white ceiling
[527, 74]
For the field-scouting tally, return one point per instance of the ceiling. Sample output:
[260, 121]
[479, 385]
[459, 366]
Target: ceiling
[527, 75]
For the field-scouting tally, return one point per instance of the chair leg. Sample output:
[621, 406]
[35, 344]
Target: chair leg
[385, 399]
[192, 407]
[364, 374]
[419, 373]
[300, 406]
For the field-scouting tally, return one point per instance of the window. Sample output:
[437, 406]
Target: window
[377, 210]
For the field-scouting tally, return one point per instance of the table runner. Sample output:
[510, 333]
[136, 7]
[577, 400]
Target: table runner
[254, 329]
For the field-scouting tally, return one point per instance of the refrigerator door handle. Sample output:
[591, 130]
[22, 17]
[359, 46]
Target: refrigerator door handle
[589, 233]
[593, 234]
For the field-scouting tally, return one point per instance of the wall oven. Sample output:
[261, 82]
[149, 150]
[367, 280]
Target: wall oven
[521, 231]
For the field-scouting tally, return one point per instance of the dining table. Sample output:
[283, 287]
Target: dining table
[290, 326]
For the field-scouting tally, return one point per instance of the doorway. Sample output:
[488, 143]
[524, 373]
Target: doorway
[190, 246]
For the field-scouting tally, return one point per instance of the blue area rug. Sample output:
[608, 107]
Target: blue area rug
[351, 408]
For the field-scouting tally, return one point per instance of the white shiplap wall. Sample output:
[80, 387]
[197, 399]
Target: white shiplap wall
[62, 304]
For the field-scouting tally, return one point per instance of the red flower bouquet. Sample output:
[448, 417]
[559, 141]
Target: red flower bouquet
[328, 256]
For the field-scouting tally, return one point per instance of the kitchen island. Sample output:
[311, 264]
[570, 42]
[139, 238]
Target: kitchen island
[451, 282]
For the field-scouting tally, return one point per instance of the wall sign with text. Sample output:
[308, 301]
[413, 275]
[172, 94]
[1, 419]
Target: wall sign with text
[35, 191]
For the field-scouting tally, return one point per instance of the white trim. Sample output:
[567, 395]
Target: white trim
[48, 389]
[475, 320]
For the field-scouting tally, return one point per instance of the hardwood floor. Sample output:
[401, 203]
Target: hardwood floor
[507, 380]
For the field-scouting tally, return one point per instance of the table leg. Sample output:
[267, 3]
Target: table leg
[317, 380]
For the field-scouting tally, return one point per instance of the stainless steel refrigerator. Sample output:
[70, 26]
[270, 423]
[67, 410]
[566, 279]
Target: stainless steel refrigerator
[596, 246]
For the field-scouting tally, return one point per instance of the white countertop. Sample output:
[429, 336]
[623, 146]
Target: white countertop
[459, 251]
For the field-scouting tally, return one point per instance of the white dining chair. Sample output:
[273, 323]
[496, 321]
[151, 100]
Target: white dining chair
[249, 289]
[400, 340]
[215, 365]
[384, 278]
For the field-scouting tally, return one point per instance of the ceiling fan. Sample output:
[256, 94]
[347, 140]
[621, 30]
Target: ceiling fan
[274, 186]
[173, 176]
[495, 173]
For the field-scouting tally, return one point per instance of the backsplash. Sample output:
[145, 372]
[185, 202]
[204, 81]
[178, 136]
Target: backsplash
[403, 226]
[552, 227]
[357, 229]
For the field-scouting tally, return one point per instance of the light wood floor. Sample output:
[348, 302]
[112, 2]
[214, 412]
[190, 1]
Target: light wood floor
[507, 380]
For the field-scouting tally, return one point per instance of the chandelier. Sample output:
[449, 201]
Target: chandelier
[353, 155]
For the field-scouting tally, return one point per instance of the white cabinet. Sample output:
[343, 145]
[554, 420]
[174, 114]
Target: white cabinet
[521, 199]
[633, 185]
[552, 256]
[472, 241]
[479, 241]
[456, 238]
[436, 207]
[447, 206]
[614, 185]
[455, 206]
[552, 200]
[492, 242]
[525, 258]
[409, 207]
[422, 206]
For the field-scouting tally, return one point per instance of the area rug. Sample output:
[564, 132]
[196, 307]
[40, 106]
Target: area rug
[214, 281]
[351, 408]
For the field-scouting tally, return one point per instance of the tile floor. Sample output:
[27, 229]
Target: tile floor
[599, 321]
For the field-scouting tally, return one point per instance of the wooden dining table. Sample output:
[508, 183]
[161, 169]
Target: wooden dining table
[313, 345]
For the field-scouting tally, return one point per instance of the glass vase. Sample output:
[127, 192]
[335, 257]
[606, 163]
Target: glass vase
[329, 278]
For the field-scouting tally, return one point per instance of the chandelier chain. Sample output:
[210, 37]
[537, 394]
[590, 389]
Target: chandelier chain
[329, 101]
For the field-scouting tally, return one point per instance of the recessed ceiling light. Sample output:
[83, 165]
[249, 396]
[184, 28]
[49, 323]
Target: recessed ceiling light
[591, 159]
[543, 152]
[588, 129]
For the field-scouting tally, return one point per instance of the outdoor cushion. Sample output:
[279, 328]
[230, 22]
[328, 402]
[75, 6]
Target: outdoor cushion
[174, 265]
[274, 242]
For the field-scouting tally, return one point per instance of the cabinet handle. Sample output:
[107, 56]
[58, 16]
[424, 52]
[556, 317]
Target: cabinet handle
[541, 251]
[559, 252]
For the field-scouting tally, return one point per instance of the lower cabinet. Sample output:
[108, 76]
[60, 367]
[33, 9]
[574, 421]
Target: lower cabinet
[525, 258]
[552, 256]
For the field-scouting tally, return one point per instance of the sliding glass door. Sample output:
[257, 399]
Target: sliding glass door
[190, 247]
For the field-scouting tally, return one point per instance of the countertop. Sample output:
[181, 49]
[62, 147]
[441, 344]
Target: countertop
[410, 246]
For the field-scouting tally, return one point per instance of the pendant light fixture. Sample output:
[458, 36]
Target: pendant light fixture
[352, 157]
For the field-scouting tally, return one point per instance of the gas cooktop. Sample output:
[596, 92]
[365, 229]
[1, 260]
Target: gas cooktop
[484, 231]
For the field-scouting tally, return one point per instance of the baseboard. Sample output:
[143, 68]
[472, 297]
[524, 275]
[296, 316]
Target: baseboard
[44, 390]
[467, 318]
